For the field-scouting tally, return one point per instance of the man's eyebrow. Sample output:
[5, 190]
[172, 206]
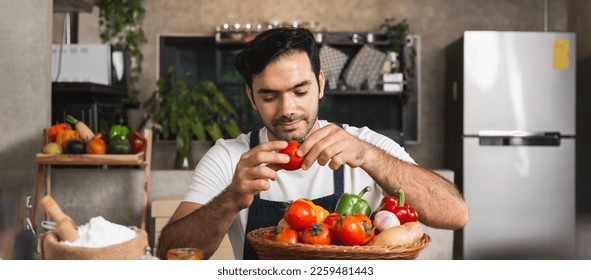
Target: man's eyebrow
[267, 90]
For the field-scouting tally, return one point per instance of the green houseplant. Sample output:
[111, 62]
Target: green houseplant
[396, 33]
[184, 113]
[120, 24]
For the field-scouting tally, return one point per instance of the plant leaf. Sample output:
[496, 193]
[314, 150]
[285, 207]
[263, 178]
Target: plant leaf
[182, 144]
[199, 130]
[214, 131]
[232, 128]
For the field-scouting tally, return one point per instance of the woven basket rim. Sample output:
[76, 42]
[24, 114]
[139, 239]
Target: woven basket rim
[51, 248]
[54, 239]
[257, 239]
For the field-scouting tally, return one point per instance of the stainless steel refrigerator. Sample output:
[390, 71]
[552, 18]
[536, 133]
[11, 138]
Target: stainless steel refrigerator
[510, 138]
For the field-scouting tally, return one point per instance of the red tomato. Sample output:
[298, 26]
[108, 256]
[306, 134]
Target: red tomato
[355, 229]
[300, 215]
[332, 219]
[295, 162]
[287, 236]
[318, 233]
[321, 213]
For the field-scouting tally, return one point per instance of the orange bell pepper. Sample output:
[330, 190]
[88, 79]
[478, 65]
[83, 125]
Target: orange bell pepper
[96, 145]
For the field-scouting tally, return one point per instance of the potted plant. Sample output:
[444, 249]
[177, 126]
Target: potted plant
[184, 113]
[121, 25]
[396, 33]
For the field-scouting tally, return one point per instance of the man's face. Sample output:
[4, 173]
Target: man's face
[286, 95]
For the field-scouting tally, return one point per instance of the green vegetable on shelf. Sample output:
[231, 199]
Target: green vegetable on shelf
[118, 130]
[119, 145]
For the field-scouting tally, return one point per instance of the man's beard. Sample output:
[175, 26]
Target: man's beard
[300, 136]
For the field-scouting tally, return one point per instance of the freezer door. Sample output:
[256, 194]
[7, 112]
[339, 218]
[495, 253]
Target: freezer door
[521, 200]
[519, 81]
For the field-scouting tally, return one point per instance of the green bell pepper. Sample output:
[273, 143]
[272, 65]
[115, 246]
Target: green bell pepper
[119, 145]
[118, 130]
[349, 204]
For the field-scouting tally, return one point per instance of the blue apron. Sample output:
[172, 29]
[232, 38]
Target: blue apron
[266, 213]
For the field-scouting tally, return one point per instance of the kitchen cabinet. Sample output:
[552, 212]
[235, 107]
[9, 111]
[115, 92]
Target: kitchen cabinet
[392, 113]
[46, 161]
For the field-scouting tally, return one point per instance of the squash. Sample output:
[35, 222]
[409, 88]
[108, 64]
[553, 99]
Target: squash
[63, 136]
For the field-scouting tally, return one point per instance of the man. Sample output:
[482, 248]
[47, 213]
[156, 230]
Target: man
[237, 186]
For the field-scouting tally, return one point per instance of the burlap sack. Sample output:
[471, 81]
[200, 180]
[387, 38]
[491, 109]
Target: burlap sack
[53, 249]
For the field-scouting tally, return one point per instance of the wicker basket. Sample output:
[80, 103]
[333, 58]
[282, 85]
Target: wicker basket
[272, 250]
[53, 249]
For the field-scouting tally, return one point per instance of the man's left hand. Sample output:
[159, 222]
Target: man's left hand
[333, 145]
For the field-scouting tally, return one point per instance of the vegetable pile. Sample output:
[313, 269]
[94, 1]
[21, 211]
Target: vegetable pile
[352, 223]
[75, 137]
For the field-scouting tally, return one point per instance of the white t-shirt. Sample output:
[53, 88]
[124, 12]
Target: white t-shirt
[215, 171]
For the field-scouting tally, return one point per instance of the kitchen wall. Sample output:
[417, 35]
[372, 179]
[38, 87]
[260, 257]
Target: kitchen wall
[438, 22]
[580, 22]
[25, 91]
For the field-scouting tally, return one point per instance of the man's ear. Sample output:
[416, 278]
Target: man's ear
[321, 85]
[250, 97]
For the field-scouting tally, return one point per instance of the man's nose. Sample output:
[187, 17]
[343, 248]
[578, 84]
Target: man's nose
[288, 104]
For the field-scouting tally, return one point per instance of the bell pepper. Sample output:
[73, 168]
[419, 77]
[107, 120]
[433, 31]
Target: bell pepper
[119, 145]
[96, 145]
[349, 204]
[398, 206]
[137, 142]
[53, 130]
[118, 130]
[64, 135]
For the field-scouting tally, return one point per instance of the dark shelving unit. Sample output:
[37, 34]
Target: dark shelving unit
[99, 106]
[394, 114]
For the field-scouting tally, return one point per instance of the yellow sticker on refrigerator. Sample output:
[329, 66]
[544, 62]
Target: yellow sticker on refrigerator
[560, 54]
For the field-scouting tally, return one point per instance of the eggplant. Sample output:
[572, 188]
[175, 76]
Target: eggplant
[75, 146]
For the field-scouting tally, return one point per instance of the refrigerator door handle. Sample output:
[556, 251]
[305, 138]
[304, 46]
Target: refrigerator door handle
[518, 138]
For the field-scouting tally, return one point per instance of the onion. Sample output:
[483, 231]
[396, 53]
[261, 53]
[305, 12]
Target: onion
[384, 220]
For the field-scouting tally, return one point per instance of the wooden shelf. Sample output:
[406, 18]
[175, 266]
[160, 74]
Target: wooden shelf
[87, 159]
[45, 161]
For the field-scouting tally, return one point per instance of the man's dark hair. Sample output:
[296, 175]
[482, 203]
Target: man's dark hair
[271, 45]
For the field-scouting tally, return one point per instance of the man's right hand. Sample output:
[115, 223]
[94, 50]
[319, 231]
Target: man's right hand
[254, 170]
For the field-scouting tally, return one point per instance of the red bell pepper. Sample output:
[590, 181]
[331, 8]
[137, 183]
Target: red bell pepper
[397, 205]
[53, 130]
[137, 142]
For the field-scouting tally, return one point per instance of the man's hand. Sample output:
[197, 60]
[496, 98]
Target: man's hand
[254, 170]
[333, 145]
